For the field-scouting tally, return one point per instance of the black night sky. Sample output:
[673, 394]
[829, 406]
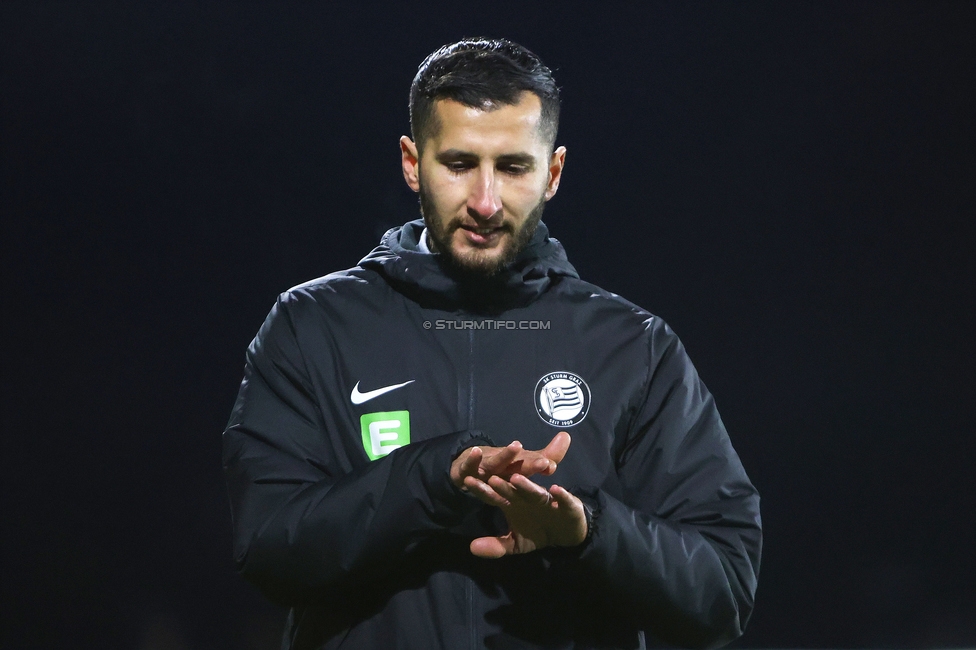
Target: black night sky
[788, 184]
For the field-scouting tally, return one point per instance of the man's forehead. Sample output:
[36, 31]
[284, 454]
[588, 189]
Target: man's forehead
[495, 122]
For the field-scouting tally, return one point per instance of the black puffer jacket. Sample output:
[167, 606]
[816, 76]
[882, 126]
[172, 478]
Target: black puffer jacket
[362, 386]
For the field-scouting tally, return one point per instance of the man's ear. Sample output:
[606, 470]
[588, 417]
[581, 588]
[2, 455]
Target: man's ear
[556, 162]
[411, 163]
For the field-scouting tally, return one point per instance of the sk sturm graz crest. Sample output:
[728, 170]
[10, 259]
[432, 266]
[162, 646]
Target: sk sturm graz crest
[562, 399]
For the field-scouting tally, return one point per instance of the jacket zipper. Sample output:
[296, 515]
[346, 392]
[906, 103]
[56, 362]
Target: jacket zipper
[469, 587]
[470, 379]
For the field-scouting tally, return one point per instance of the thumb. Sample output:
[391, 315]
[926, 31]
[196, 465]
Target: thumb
[557, 447]
[493, 548]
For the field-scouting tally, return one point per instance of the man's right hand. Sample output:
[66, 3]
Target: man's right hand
[481, 463]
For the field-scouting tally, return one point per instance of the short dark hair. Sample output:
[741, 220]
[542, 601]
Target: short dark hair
[481, 73]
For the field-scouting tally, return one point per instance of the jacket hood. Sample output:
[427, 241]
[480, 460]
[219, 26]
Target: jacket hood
[426, 278]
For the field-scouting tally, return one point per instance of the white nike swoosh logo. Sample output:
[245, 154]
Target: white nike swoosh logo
[359, 398]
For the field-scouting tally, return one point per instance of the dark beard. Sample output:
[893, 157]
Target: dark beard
[440, 235]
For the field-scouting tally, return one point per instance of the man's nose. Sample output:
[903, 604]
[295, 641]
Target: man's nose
[485, 201]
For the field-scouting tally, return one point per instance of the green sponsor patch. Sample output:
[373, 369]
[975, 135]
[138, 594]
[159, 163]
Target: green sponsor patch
[385, 431]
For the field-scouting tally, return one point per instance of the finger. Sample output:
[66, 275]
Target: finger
[493, 547]
[529, 463]
[556, 450]
[469, 466]
[527, 491]
[484, 493]
[499, 461]
[564, 498]
[573, 529]
[534, 463]
[502, 487]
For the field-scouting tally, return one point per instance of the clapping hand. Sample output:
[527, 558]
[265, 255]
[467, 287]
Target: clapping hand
[481, 463]
[536, 517]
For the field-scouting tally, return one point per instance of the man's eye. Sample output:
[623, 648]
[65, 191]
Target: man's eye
[515, 170]
[458, 167]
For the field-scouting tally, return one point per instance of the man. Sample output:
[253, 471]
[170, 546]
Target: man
[399, 458]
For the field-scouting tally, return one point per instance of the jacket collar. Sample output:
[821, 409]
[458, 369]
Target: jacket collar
[425, 278]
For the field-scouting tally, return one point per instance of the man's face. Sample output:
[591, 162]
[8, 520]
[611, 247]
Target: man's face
[483, 178]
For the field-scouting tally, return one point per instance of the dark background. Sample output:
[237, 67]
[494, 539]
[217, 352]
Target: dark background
[789, 185]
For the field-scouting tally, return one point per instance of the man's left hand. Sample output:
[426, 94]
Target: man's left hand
[536, 517]
[483, 462]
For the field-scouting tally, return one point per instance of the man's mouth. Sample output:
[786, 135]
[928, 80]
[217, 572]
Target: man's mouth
[483, 236]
